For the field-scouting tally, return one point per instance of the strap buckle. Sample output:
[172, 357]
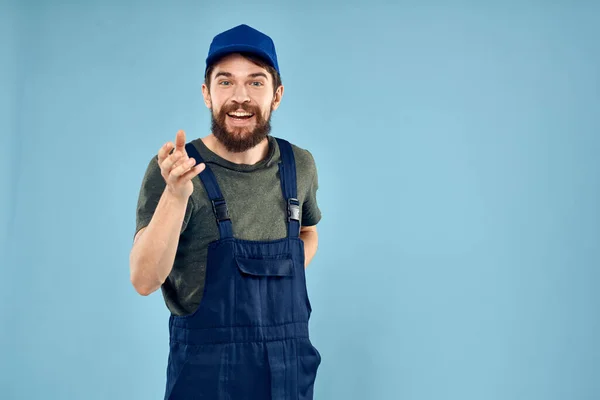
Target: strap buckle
[293, 209]
[220, 209]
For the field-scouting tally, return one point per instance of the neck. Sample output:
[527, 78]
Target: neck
[248, 157]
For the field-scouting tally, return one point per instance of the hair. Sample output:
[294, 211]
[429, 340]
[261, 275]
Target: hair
[252, 58]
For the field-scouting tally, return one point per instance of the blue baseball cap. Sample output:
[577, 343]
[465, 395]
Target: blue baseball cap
[242, 38]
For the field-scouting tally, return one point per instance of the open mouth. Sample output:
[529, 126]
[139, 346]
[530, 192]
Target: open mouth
[240, 115]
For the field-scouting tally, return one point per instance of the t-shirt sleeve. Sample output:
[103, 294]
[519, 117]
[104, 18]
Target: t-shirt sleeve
[311, 214]
[151, 190]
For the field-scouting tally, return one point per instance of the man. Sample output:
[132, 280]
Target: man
[226, 226]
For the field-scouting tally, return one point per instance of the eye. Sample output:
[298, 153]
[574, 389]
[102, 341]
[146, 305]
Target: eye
[224, 83]
[257, 83]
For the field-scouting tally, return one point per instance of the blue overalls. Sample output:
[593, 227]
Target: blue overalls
[249, 337]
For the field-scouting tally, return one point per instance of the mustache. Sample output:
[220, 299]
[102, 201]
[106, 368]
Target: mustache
[237, 107]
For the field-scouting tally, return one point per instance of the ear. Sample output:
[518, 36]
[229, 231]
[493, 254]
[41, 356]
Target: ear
[206, 95]
[277, 98]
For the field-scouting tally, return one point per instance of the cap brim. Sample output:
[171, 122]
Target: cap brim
[235, 48]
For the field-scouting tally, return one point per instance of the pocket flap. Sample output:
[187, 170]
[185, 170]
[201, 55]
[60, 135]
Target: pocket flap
[266, 267]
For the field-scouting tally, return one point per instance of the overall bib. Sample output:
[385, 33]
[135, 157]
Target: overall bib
[249, 337]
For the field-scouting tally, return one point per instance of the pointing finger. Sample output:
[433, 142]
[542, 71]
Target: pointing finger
[180, 141]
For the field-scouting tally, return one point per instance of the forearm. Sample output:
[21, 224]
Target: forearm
[311, 242]
[153, 253]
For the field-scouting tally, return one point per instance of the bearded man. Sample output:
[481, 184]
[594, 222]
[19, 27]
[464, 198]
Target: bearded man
[225, 227]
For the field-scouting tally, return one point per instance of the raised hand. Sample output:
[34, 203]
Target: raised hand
[177, 168]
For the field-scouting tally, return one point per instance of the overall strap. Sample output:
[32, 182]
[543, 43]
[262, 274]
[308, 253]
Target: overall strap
[287, 173]
[219, 205]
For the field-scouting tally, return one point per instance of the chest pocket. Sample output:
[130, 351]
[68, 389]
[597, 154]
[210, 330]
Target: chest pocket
[264, 291]
[266, 267]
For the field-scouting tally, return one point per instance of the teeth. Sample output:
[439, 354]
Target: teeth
[240, 114]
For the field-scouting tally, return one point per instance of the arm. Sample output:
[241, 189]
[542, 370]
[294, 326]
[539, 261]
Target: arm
[155, 246]
[311, 214]
[310, 237]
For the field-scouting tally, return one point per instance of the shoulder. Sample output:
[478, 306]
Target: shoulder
[305, 161]
[152, 174]
[306, 166]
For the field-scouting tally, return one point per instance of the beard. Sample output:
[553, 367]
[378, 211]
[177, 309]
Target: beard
[240, 139]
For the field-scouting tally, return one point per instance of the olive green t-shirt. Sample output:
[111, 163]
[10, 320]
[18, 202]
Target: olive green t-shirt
[256, 205]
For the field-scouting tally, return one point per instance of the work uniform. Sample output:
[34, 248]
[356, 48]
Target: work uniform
[249, 337]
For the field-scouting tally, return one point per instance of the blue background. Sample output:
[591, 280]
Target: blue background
[457, 148]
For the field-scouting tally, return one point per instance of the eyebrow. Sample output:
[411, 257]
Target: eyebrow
[256, 75]
[229, 74]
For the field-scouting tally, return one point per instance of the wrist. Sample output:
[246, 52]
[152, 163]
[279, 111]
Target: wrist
[175, 198]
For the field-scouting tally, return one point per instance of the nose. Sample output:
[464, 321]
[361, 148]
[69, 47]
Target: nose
[240, 94]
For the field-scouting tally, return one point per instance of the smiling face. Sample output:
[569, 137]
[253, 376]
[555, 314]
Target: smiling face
[241, 95]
